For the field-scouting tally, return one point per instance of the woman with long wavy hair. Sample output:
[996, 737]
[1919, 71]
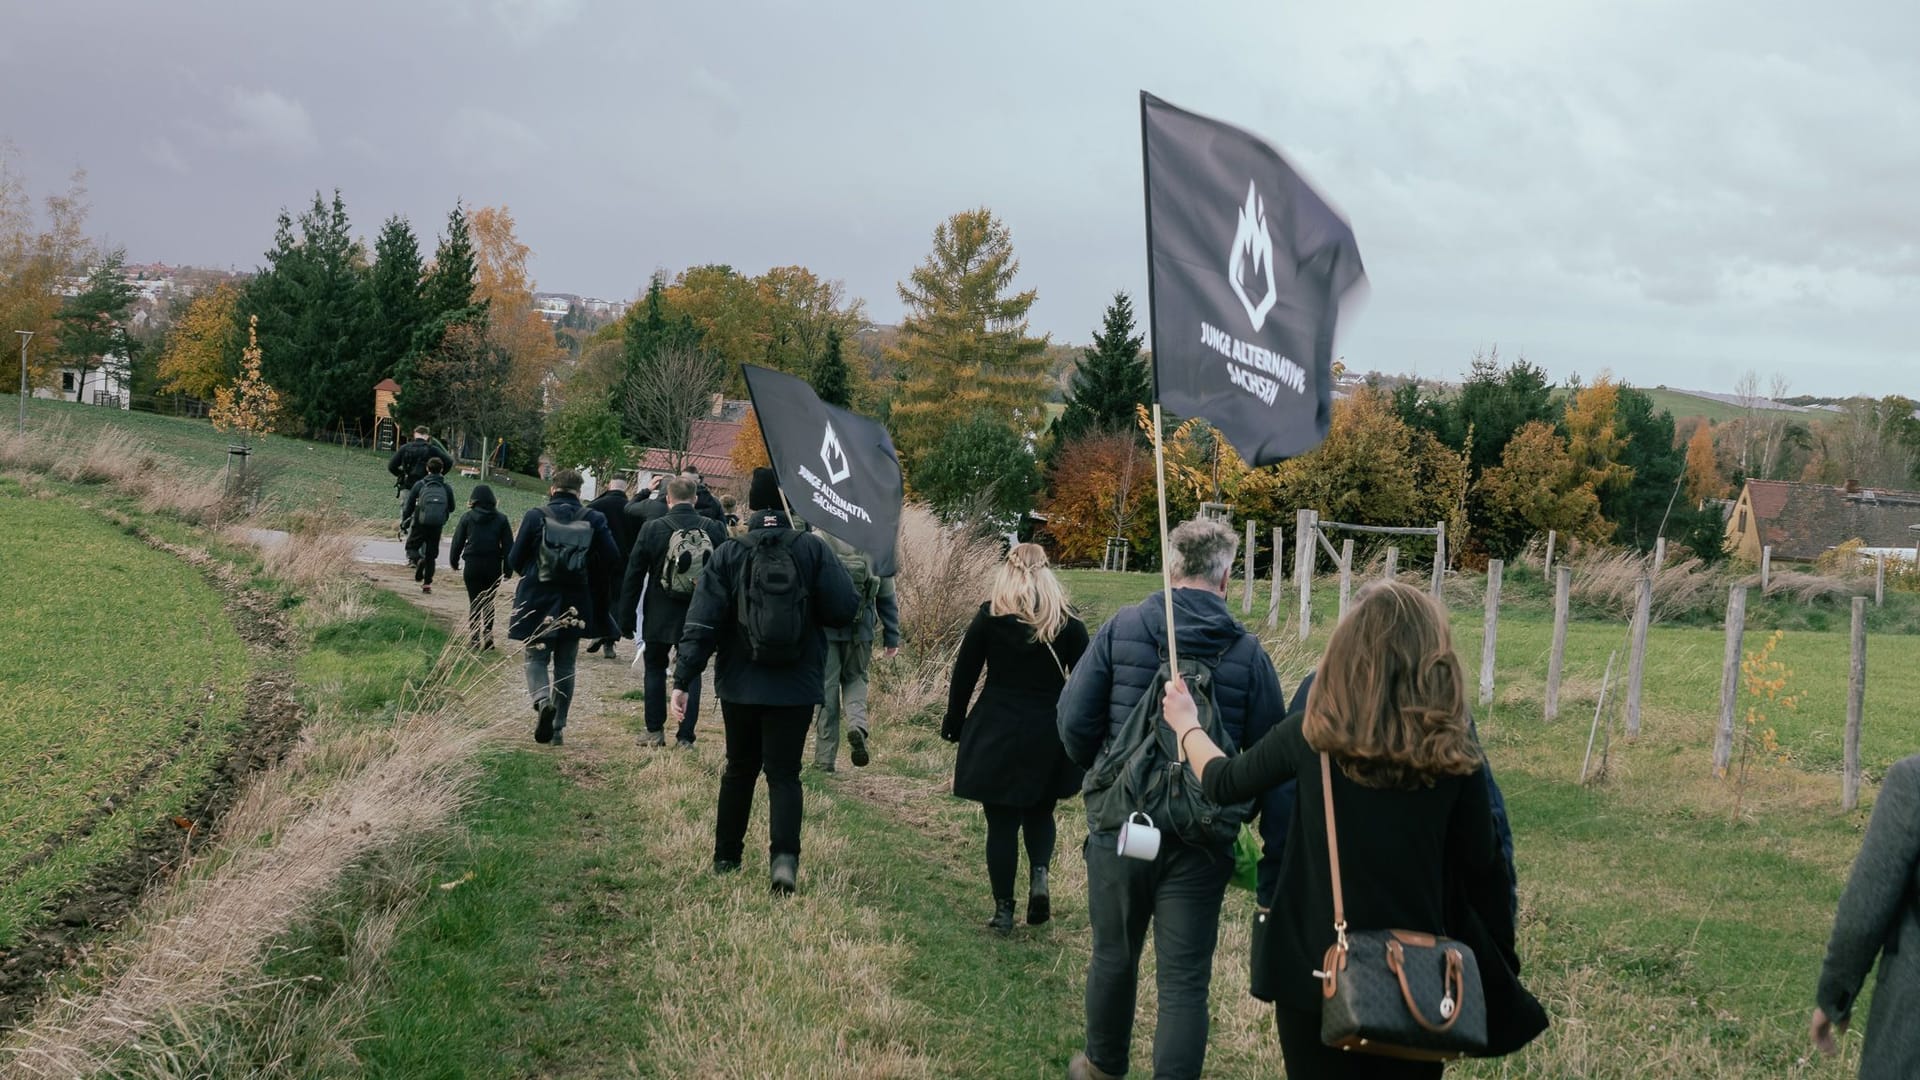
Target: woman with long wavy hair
[1010, 760]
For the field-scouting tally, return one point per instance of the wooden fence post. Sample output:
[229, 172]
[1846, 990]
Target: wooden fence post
[1856, 706]
[1393, 563]
[1440, 562]
[1730, 678]
[1303, 568]
[1637, 663]
[1346, 574]
[1279, 560]
[1490, 631]
[1546, 573]
[1556, 661]
[1766, 568]
[1880, 581]
[1246, 596]
[1659, 553]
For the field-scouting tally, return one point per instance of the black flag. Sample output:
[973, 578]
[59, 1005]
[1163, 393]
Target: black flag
[838, 469]
[1246, 269]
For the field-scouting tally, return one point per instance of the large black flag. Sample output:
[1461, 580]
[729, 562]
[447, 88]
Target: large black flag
[838, 469]
[1247, 266]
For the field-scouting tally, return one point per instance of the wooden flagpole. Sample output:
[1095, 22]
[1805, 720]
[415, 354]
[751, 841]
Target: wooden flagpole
[1166, 548]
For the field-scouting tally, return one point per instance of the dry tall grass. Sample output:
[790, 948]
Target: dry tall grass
[943, 577]
[1610, 580]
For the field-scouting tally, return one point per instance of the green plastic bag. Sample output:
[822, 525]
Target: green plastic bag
[1246, 859]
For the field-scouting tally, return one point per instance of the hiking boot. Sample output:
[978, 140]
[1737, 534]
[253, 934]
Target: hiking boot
[559, 738]
[1039, 902]
[1002, 921]
[488, 645]
[593, 646]
[785, 875]
[726, 866]
[426, 587]
[654, 738]
[609, 652]
[857, 747]
[683, 744]
[1082, 1069]
[823, 766]
[543, 727]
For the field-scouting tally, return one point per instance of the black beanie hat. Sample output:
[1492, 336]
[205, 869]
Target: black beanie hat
[483, 497]
[763, 492]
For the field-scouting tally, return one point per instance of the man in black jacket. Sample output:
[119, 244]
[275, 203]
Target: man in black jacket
[666, 590]
[772, 663]
[612, 505]
[409, 463]
[429, 504]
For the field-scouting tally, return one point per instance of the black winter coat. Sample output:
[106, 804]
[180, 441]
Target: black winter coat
[409, 463]
[1421, 859]
[1126, 655]
[612, 505]
[483, 538]
[711, 626]
[665, 616]
[1010, 752]
[559, 612]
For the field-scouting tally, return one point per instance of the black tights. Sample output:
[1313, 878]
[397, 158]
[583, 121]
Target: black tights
[1004, 826]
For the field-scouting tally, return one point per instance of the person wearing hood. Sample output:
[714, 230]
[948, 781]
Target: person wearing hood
[561, 551]
[483, 537]
[1010, 758]
[1181, 889]
[612, 505]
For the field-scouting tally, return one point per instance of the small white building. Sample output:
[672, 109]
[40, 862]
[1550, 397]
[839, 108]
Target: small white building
[102, 386]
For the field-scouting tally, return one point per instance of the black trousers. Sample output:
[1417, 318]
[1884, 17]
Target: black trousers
[769, 739]
[1005, 824]
[423, 545]
[1306, 1055]
[482, 582]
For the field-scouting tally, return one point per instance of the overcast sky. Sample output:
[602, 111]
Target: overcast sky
[1676, 191]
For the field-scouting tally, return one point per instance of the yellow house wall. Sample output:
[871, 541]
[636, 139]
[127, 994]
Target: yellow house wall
[1744, 545]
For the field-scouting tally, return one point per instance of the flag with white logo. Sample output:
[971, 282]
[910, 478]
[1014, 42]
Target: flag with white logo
[838, 469]
[1247, 267]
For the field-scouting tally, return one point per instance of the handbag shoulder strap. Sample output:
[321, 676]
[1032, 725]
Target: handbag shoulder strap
[1333, 848]
[1065, 672]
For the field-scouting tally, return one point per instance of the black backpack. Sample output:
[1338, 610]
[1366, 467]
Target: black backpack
[1139, 770]
[564, 547]
[775, 609]
[434, 504]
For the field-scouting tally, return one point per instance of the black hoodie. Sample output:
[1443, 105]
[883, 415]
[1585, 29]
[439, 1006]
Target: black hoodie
[484, 536]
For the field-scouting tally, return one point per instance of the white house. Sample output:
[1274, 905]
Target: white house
[104, 386]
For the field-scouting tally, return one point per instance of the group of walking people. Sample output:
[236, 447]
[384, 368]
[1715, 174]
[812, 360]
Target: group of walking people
[1377, 815]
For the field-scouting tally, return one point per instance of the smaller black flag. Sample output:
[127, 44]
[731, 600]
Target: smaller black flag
[838, 469]
[1247, 268]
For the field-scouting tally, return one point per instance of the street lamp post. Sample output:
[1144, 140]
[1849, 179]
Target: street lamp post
[25, 336]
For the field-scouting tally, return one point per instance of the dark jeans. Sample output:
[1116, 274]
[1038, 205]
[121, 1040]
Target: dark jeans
[483, 583]
[1180, 894]
[656, 659]
[563, 654]
[1306, 1055]
[1004, 826]
[761, 738]
[423, 546]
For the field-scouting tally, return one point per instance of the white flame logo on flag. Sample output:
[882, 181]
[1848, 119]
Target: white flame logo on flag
[834, 457]
[1252, 243]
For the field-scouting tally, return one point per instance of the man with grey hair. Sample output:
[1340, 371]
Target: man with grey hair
[1180, 890]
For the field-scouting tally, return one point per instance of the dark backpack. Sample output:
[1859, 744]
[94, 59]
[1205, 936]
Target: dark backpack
[687, 554]
[434, 504]
[775, 609]
[564, 547]
[1139, 770]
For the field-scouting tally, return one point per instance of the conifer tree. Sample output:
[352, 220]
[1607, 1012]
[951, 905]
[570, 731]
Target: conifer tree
[398, 302]
[830, 374]
[92, 327]
[1111, 380]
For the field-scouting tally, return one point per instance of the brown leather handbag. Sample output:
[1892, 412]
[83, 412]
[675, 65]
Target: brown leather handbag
[1396, 993]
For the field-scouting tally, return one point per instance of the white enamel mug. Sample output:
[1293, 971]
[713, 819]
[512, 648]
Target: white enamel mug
[1139, 839]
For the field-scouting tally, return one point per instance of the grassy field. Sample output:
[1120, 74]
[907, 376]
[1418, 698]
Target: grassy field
[121, 682]
[299, 474]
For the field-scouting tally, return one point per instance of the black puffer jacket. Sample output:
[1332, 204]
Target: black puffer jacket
[711, 626]
[554, 612]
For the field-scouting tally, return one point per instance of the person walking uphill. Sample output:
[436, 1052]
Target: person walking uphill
[612, 505]
[409, 463]
[662, 573]
[429, 504]
[849, 652]
[483, 538]
[560, 550]
[763, 605]
[1879, 914]
[1180, 890]
[1010, 759]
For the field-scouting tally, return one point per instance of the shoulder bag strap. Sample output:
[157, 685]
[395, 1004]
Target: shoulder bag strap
[1065, 672]
[1333, 850]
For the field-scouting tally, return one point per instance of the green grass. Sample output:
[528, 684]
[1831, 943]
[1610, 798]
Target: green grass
[300, 474]
[364, 667]
[1682, 404]
[121, 684]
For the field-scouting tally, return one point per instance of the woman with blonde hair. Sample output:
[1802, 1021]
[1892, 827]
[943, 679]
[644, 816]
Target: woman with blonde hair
[1010, 759]
[1386, 726]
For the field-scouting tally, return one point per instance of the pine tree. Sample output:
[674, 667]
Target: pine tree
[1112, 379]
[653, 330]
[92, 326]
[964, 350]
[397, 300]
[452, 281]
[830, 374]
[312, 303]
[447, 299]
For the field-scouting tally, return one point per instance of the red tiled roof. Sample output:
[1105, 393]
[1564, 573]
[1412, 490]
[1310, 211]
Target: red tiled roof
[388, 385]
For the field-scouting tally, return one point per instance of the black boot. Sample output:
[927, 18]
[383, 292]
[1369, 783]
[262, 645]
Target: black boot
[1002, 921]
[1039, 903]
